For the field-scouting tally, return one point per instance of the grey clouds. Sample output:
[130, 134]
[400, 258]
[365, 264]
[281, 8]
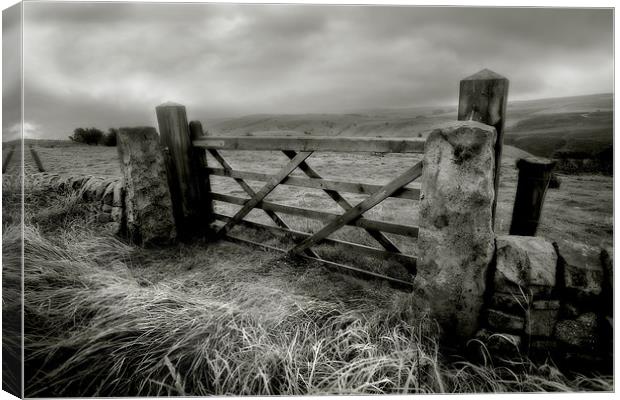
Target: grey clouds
[110, 64]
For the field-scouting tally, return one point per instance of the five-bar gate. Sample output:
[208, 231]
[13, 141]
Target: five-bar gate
[298, 151]
[482, 98]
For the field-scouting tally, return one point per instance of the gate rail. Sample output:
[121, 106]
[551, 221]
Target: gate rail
[482, 98]
[298, 151]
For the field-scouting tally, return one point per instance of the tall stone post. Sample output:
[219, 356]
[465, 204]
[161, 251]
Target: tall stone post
[147, 199]
[456, 240]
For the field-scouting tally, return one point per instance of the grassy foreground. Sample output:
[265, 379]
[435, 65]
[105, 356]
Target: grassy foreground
[105, 318]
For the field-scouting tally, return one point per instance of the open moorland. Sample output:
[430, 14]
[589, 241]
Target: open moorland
[104, 317]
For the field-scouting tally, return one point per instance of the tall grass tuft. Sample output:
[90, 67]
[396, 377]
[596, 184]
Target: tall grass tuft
[103, 318]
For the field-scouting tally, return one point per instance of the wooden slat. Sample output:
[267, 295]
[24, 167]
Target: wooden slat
[274, 217]
[317, 143]
[264, 191]
[345, 205]
[7, 159]
[355, 212]
[407, 261]
[394, 282]
[322, 184]
[248, 189]
[397, 229]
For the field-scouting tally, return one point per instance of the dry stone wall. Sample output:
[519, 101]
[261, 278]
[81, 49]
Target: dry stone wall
[105, 196]
[138, 205]
[516, 295]
[550, 300]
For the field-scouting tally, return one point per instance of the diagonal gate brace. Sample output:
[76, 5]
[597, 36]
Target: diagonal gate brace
[405, 178]
[248, 189]
[344, 204]
[263, 192]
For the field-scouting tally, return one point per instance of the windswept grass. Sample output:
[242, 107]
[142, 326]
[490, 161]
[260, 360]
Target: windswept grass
[104, 318]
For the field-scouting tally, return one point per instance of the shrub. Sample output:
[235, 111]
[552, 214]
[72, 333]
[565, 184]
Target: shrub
[88, 136]
[110, 138]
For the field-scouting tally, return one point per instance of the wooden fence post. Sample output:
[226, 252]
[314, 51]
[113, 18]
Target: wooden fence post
[482, 98]
[7, 159]
[184, 177]
[37, 160]
[534, 176]
[199, 159]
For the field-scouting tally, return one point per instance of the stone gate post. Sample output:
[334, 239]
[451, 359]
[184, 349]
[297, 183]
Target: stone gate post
[456, 240]
[147, 198]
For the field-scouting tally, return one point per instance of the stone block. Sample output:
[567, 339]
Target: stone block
[581, 333]
[514, 303]
[545, 305]
[456, 240]
[582, 272]
[505, 322]
[524, 262]
[541, 322]
[148, 207]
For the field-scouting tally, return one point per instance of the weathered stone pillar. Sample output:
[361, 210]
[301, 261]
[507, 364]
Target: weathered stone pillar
[147, 199]
[456, 240]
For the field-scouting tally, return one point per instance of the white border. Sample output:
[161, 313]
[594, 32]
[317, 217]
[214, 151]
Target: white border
[479, 3]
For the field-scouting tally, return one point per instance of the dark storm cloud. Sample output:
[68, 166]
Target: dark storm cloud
[11, 73]
[109, 64]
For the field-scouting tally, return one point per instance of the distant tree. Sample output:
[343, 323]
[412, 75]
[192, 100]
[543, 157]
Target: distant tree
[78, 135]
[110, 138]
[88, 136]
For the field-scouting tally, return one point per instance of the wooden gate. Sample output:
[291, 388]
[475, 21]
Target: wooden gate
[482, 98]
[298, 151]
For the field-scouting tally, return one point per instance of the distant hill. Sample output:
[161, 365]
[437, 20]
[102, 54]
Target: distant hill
[397, 122]
[578, 127]
[329, 124]
[577, 131]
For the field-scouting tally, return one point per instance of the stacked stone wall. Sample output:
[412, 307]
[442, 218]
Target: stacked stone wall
[104, 196]
[550, 300]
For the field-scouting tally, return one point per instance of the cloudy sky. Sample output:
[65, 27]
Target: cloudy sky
[110, 64]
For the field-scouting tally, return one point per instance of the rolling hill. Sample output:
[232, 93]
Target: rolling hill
[577, 131]
[568, 128]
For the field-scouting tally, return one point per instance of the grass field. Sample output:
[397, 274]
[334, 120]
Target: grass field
[104, 318]
[581, 210]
